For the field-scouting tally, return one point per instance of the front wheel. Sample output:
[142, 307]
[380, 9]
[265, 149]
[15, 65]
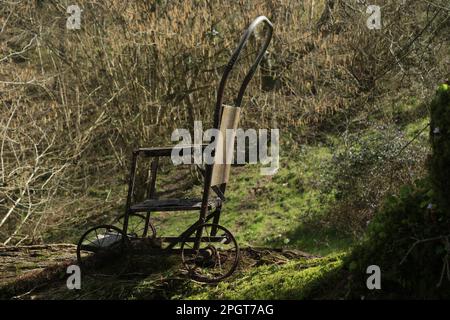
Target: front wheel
[215, 258]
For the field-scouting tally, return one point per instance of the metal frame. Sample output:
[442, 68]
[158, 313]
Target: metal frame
[167, 151]
[155, 153]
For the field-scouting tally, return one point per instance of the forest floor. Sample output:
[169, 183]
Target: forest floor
[40, 272]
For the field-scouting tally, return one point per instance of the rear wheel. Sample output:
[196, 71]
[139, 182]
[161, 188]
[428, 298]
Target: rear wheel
[103, 250]
[216, 258]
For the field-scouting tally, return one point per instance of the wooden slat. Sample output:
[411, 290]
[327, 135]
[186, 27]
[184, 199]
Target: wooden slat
[171, 205]
[167, 151]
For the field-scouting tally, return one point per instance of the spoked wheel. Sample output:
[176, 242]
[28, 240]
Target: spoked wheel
[103, 250]
[136, 226]
[216, 258]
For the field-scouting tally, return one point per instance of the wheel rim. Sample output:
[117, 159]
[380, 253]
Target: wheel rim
[102, 250]
[214, 260]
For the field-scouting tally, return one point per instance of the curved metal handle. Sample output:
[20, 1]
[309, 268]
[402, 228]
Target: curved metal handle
[233, 60]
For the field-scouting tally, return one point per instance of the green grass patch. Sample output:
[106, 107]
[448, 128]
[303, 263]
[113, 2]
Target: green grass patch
[298, 279]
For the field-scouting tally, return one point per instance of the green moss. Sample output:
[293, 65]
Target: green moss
[294, 280]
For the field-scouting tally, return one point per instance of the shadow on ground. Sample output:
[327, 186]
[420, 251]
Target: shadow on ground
[39, 272]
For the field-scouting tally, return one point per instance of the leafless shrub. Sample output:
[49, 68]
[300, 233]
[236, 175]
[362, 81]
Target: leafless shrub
[74, 102]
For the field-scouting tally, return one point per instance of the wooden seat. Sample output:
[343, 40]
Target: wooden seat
[173, 205]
